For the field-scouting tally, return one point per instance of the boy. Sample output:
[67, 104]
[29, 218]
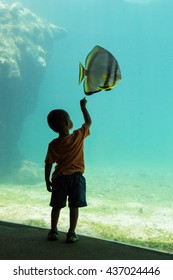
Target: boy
[67, 179]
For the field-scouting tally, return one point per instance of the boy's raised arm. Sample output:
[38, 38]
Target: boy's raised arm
[85, 112]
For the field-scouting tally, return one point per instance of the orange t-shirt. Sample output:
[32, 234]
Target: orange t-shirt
[67, 152]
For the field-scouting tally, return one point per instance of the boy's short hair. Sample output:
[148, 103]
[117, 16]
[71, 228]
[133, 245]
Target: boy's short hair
[57, 119]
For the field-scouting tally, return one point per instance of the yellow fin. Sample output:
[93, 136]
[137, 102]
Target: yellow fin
[81, 72]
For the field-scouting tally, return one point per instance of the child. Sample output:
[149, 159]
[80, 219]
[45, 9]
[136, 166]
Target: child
[67, 179]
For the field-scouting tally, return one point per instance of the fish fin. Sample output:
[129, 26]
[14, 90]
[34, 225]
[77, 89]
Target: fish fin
[106, 87]
[91, 92]
[82, 72]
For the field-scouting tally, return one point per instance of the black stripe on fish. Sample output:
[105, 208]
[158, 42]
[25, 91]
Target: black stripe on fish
[110, 67]
[115, 73]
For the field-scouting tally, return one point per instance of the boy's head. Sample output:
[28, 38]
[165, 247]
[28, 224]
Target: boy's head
[59, 121]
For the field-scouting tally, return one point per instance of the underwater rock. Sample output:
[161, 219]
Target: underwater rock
[28, 173]
[26, 44]
[140, 210]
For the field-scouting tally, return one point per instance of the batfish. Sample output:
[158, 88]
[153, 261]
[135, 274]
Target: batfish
[101, 71]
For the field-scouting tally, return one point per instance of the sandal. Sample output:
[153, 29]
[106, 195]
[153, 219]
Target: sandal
[52, 235]
[71, 237]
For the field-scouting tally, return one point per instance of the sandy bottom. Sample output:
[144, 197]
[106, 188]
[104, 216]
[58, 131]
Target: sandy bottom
[132, 206]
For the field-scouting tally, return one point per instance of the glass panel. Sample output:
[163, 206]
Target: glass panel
[129, 154]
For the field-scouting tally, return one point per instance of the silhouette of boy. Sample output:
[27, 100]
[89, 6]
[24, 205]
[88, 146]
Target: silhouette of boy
[67, 179]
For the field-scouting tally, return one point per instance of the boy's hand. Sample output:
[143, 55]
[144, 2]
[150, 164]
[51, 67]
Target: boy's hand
[49, 186]
[84, 110]
[83, 102]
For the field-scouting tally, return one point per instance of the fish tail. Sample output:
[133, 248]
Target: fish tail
[81, 72]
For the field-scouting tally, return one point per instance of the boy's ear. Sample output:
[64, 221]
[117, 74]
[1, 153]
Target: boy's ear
[67, 122]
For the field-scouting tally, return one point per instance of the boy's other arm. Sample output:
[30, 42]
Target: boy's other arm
[48, 168]
[85, 112]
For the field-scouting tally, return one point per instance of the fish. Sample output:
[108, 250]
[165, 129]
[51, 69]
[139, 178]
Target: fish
[101, 71]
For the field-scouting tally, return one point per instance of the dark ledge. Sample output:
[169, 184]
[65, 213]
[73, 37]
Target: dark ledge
[21, 242]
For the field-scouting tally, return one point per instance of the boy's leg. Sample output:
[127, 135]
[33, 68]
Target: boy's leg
[74, 213]
[77, 197]
[71, 235]
[53, 234]
[54, 218]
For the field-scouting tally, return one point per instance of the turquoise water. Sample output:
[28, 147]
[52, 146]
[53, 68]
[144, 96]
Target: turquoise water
[129, 155]
[133, 123]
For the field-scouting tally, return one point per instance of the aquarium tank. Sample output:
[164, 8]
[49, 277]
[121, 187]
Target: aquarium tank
[129, 153]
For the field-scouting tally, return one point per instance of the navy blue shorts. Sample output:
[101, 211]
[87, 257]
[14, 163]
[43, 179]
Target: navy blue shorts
[72, 187]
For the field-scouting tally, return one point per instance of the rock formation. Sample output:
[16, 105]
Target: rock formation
[26, 42]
